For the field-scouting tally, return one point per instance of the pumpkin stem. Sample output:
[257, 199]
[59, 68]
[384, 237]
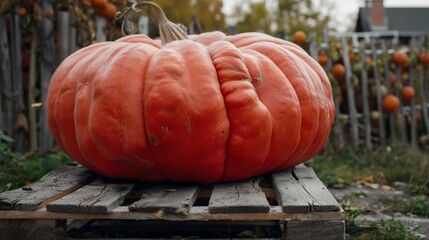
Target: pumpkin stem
[168, 30]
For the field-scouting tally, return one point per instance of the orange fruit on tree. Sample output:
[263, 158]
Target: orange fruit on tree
[408, 93]
[99, 3]
[22, 11]
[392, 77]
[299, 37]
[390, 103]
[400, 58]
[322, 59]
[109, 11]
[424, 58]
[339, 71]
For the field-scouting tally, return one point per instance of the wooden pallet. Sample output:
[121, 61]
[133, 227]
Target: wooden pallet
[294, 200]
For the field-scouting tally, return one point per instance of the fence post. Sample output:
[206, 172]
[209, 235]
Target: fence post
[381, 124]
[47, 68]
[365, 98]
[6, 78]
[413, 101]
[350, 94]
[389, 90]
[21, 123]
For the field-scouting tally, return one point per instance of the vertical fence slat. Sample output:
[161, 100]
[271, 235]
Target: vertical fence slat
[100, 26]
[16, 56]
[337, 136]
[63, 34]
[389, 90]
[381, 124]
[365, 98]
[47, 68]
[350, 94]
[6, 83]
[400, 116]
[31, 98]
[422, 87]
[72, 34]
[413, 129]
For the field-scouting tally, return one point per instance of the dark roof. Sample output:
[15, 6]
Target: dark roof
[398, 19]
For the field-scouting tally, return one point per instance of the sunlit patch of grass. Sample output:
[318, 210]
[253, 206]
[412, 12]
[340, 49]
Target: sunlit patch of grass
[350, 165]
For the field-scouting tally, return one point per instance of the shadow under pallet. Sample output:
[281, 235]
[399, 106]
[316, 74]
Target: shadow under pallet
[73, 202]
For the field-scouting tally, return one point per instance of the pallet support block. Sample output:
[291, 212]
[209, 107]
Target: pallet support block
[327, 230]
[15, 229]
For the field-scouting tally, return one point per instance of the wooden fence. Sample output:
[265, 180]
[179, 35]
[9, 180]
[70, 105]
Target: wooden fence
[370, 75]
[27, 62]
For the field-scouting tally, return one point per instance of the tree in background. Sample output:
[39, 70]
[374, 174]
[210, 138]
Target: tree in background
[208, 12]
[286, 16]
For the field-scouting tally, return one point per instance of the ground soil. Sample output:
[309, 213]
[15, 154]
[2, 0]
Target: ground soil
[379, 201]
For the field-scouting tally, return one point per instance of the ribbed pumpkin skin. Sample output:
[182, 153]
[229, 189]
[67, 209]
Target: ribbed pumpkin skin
[209, 109]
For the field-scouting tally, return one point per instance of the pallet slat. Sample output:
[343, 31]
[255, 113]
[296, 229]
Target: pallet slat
[52, 186]
[167, 198]
[243, 196]
[98, 196]
[299, 190]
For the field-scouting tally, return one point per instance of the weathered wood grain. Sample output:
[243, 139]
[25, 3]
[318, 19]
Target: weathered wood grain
[350, 95]
[47, 68]
[388, 85]
[167, 198]
[98, 196]
[365, 98]
[100, 26]
[197, 213]
[301, 191]
[6, 119]
[326, 230]
[18, 91]
[52, 186]
[32, 229]
[379, 97]
[242, 196]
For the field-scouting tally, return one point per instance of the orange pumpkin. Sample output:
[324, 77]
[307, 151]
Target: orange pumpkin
[408, 93]
[299, 37]
[390, 103]
[210, 108]
[339, 71]
[400, 58]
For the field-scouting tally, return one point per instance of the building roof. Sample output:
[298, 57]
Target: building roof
[397, 19]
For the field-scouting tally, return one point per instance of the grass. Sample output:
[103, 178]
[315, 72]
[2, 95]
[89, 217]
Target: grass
[340, 167]
[17, 169]
[345, 165]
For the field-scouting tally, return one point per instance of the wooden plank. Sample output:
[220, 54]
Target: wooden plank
[52, 186]
[63, 34]
[100, 24]
[365, 98]
[424, 110]
[32, 118]
[400, 116]
[47, 68]
[98, 196]
[301, 191]
[388, 85]
[167, 198]
[243, 196]
[18, 91]
[32, 229]
[197, 213]
[350, 94]
[379, 97]
[5, 79]
[413, 128]
[327, 230]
